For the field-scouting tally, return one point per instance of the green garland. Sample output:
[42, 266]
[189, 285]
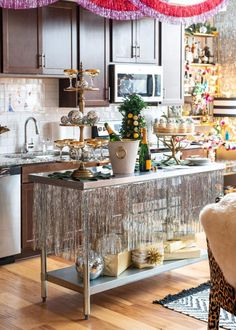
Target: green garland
[196, 28]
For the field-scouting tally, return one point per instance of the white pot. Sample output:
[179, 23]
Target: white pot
[123, 155]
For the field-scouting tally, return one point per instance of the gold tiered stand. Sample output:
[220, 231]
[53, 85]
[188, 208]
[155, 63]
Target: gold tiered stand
[173, 142]
[81, 86]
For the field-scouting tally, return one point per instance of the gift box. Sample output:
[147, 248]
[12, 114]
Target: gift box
[115, 264]
[148, 256]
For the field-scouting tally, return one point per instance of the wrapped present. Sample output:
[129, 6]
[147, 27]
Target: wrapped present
[115, 264]
[185, 253]
[148, 256]
[175, 245]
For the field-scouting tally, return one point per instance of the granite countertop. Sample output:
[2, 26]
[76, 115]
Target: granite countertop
[9, 160]
[30, 158]
[118, 179]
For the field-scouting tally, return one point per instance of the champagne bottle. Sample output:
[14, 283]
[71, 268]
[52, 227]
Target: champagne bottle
[145, 162]
[113, 136]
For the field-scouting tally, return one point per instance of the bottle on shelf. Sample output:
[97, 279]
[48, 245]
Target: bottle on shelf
[113, 136]
[145, 163]
[94, 132]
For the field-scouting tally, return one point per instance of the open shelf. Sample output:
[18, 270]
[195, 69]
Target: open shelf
[202, 64]
[68, 277]
[81, 89]
[203, 35]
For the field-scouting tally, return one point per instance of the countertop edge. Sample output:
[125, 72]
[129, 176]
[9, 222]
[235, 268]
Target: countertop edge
[125, 179]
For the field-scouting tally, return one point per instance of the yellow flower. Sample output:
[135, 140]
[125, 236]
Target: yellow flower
[136, 135]
[130, 115]
[135, 123]
[135, 117]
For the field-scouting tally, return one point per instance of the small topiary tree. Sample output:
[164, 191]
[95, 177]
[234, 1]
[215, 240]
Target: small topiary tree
[132, 121]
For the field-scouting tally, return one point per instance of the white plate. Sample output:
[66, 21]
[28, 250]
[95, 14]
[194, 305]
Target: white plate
[198, 160]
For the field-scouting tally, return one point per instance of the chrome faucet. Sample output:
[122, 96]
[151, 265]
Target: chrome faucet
[26, 146]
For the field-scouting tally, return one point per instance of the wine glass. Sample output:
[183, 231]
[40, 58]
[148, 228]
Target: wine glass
[60, 144]
[92, 73]
[104, 143]
[77, 145]
[70, 73]
[93, 144]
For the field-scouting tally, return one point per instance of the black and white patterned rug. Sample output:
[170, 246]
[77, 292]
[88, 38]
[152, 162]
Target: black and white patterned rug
[194, 302]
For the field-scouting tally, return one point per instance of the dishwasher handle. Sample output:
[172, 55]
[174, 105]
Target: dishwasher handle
[6, 171]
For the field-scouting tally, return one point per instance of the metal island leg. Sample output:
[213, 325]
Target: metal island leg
[86, 269]
[44, 273]
[86, 294]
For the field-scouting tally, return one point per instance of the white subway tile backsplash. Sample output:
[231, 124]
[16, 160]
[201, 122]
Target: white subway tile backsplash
[39, 98]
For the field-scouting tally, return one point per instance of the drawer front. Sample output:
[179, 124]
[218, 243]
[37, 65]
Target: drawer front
[47, 167]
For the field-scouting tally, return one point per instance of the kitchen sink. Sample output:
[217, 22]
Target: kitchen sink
[31, 156]
[19, 156]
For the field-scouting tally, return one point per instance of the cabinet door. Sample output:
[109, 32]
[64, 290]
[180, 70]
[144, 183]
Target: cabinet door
[123, 41]
[94, 54]
[59, 38]
[21, 46]
[172, 58]
[147, 48]
[26, 212]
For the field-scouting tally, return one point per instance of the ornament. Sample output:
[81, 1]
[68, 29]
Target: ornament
[65, 120]
[203, 29]
[75, 116]
[153, 256]
[92, 117]
[96, 265]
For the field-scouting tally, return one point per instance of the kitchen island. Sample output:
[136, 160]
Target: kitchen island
[72, 217]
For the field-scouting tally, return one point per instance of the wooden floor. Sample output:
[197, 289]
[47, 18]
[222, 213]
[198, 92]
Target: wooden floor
[128, 307]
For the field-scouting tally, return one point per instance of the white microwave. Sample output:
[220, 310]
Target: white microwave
[143, 79]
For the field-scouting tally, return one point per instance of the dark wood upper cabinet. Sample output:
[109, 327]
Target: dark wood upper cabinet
[93, 52]
[123, 41]
[172, 56]
[59, 37]
[40, 41]
[147, 41]
[21, 37]
[135, 41]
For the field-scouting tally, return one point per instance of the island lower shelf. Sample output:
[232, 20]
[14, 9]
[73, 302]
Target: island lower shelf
[68, 277]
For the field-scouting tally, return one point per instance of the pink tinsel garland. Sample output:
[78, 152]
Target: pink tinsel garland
[114, 9]
[25, 4]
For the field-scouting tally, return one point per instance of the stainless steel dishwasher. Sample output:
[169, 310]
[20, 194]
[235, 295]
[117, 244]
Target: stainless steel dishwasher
[10, 213]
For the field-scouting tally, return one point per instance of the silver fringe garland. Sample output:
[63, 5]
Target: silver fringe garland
[72, 220]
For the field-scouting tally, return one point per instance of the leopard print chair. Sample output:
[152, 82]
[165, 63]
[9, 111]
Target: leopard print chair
[222, 294]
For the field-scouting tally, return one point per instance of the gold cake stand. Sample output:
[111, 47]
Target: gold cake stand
[173, 142]
[81, 86]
